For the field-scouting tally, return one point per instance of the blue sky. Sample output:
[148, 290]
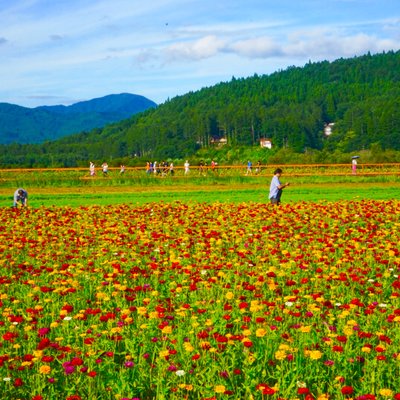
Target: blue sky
[65, 51]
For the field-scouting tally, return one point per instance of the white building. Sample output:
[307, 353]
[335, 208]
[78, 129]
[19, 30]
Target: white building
[328, 128]
[266, 143]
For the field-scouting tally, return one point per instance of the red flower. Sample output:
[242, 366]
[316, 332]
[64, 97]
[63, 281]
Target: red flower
[76, 361]
[303, 391]
[265, 389]
[347, 390]
[18, 382]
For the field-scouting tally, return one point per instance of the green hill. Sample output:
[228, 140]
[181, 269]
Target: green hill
[360, 96]
[35, 125]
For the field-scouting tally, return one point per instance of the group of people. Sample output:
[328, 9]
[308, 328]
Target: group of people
[162, 168]
[249, 169]
[275, 190]
[104, 168]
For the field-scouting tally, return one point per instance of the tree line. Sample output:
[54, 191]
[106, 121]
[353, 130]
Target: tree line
[291, 107]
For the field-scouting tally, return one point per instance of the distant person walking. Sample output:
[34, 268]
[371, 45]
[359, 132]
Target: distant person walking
[249, 168]
[20, 198]
[276, 187]
[186, 165]
[92, 169]
[104, 166]
[354, 166]
[258, 167]
[201, 167]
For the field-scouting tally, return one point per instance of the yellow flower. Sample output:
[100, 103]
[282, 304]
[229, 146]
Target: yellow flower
[348, 330]
[366, 349]
[141, 310]
[261, 332]
[315, 354]
[188, 347]
[38, 353]
[163, 353]
[220, 389]
[26, 363]
[45, 369]
[386, 392]
[280, 354]
[167, 329]
[229, 296]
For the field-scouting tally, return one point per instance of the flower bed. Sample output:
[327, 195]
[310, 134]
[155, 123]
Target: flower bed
[201, 301]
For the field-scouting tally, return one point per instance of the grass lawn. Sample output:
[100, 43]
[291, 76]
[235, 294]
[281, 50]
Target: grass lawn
[236, 193]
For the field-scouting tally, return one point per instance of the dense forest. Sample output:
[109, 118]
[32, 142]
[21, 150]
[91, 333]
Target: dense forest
[360, 96]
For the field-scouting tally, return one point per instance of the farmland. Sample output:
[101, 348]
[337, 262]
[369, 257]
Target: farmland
[199, 298]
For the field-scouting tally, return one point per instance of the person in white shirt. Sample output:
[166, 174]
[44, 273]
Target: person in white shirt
[186, 165]
[276, 187]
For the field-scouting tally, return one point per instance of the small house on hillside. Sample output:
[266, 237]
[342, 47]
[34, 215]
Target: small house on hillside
[219, 141]
[328, 128]
[266, 143]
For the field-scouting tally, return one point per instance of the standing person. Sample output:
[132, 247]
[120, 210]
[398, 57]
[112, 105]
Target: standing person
[105, 168]
[213, 164]
[275, 190]
[201, 167]
[20, 198]
[258, 167]
[354, 166]
[249, 167]
[186, 165]
[92, 169]
[122, 170]
[171, 168]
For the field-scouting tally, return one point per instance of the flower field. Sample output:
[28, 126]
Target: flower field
[201, 301]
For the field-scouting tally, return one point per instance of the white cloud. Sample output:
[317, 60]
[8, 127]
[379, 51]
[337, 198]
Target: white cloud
[260, 47]
[202, 48]
[324, 43]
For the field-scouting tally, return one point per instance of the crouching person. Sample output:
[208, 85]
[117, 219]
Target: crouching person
[20, 198]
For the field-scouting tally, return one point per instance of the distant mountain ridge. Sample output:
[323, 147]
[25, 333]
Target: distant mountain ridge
[35, 125]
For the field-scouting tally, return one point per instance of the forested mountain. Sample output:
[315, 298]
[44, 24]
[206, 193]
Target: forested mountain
[34, 125]
[361, 96]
